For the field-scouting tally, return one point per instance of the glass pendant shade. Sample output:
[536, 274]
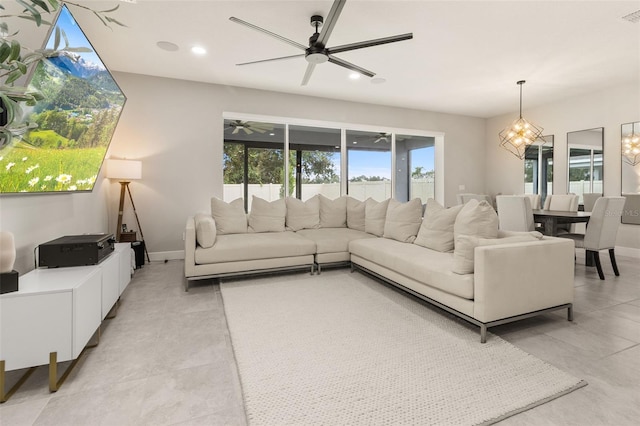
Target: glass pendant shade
[522, 133]
[631, 147]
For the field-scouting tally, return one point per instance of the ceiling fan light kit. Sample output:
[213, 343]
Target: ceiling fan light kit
[521, 134]
[317, 52]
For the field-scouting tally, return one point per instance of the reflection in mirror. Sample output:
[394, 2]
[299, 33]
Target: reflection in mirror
[630, 173]
[415, 167]
[585, 161]
[538, 168]
[369, 165]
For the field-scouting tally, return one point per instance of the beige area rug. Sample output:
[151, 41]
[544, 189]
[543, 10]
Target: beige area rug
[344, 349]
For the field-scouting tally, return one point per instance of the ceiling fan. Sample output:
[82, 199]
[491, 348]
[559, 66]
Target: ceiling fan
[386, 137]
[248, 127]
[317, 52]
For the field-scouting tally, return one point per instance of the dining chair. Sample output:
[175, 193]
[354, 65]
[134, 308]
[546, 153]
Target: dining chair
[535, 200]
[464, 198]
[589, 200]
[514, 213]
[601, 232]
[562, 202]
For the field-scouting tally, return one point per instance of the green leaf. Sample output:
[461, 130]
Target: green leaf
[34, 12]
[112, 20]
[22, 67]
[56, 41]
[9, 106]
[13, 76]
[5, 137]
[54, 4]
[111, 10]
[4, 28]
[31, 18]
[100, 18]
[5, 50]
[15, 50]
[42, 5]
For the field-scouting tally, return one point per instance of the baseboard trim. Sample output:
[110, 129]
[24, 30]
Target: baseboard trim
[160, 256]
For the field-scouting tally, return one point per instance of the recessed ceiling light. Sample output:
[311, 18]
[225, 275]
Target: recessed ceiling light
[272, 134]
[355, 142]
[167, 45]
[378, 80]
[354, 76]
[198, 50]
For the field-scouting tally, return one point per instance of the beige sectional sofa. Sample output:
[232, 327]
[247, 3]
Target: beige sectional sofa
[454, 258]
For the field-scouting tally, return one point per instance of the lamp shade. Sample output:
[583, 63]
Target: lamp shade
[124, 169]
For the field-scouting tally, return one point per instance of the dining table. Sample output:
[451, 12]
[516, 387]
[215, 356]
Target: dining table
[550, 219]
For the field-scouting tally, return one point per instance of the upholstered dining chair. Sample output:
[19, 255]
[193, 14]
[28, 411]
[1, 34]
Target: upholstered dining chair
[535, 200]
[464, 198]
[589, 200]
[602, 231]
[514, 213]
[562, 202]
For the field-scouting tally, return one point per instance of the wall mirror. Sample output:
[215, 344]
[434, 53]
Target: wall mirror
[585, 161]
[538, 168]
[630, 174]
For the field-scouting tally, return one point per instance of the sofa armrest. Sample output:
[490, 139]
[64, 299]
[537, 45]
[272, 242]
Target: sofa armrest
[518, 278]
[190, 247]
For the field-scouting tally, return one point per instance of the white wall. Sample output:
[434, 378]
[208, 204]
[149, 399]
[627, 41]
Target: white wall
[609, 108]
[176, 128]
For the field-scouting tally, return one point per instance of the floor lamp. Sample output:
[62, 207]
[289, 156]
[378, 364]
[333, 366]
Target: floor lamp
[125, 171]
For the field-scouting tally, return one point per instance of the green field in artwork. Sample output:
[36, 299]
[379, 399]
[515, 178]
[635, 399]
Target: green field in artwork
[24, 168]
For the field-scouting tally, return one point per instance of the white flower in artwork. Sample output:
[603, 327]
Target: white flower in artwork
[10, 165]
[32, 168]
[63, 179]
[34, 181]
[1, 157]
[24, 159]
[73, 188]
[48, 178]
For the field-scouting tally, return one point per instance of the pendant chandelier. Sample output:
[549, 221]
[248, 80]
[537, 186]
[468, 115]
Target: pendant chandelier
[631, 146]
[520, 134]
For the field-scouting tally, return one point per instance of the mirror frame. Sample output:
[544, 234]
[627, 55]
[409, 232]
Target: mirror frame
[601, 129]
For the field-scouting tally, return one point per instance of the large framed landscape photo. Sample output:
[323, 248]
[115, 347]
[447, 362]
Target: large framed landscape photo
[75, 120]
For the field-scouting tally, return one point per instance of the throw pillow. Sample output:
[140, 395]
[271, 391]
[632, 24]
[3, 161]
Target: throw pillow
[436, 231]
[464, 254]
[374, 216]
[205, 230]
[477, 218]
[230, 217]
[355, 214]
[267, 216]
[333, 213]
[403, 220]
[302, 214]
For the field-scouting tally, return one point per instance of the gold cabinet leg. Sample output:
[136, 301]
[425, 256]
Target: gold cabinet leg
[5, 396]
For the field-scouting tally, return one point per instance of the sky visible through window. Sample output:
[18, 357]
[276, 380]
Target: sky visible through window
[378, 163]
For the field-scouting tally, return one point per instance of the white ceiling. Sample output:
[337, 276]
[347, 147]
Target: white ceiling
[465, 57]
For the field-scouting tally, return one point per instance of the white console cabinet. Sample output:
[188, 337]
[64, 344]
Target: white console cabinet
[55, 312]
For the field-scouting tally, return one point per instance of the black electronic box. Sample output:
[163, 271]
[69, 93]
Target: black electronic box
[75, 250]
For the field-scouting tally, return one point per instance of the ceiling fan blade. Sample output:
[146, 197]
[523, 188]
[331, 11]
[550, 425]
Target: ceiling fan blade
[307, 73]
[351, 66]
[370, 43]
[273, 59]
[247, 130]
[267, 32]
[330, 21]
[235, 130]
[255, 129]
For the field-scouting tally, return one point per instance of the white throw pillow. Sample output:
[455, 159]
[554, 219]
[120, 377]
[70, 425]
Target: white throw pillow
[477, 218]
[333, 213]
[267, 216]
[355, 214]
[436, 231]
[464, 254]
[302, 214]
[205, 230]
[374, 216]
[403, 220]
[230, 217]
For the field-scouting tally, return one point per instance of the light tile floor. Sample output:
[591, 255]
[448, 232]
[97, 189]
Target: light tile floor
[166, 359]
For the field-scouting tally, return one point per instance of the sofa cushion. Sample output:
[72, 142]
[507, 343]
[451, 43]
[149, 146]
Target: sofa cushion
[205, 230]
[302, 214]
[426, 266]
[333, 240]
[355, 214]
[403, 220]
[230, 217]
[333, 213]
[375, 213]
[267, 216]
[463, 255]
[265, 245]
[436, 230]
[477, 218]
